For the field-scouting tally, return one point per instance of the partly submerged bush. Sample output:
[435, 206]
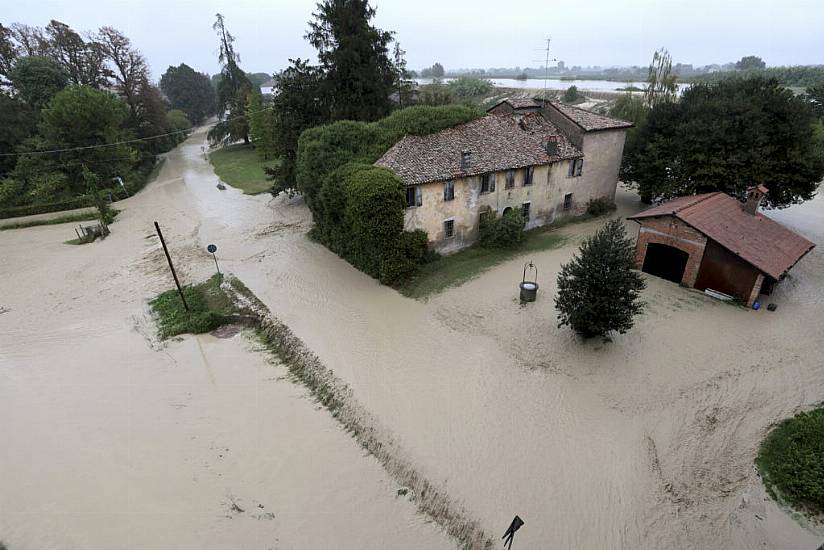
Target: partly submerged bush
[600, 206]
[209, 308]
[503, 231]
[791, 460]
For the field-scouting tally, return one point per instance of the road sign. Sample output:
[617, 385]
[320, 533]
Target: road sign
[212, 249]
[510, 532]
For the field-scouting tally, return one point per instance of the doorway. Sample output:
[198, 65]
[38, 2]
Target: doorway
[665, 261]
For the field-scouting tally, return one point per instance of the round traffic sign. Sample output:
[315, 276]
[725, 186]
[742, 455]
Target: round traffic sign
[211, 248]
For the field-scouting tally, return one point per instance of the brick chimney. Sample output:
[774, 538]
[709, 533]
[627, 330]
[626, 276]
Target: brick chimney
[754, 196]
[466, 160]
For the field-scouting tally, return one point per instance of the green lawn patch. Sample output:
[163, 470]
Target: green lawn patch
[455, 269]
[241, 167]
[210, 306]
[791, 461]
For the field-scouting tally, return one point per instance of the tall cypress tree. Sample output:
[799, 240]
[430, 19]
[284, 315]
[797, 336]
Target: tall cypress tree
[233, 89]
[355, 57]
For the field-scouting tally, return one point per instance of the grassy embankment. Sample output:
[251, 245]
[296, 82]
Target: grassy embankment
[68, 218]
[791, 462]
[241, 167]
[210, 306]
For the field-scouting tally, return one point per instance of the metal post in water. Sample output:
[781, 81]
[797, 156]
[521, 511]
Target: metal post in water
[212, 248]
[171, 267]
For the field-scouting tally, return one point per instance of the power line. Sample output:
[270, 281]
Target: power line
[148, 138]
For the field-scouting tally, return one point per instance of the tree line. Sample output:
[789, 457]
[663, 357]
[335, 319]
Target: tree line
[356, 73]
[70, 101]
[723, 135]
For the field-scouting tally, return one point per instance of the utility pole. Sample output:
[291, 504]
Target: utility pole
[172, 267]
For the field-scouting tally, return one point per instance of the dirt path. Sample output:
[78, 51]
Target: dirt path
[110, 440]
[646, 442]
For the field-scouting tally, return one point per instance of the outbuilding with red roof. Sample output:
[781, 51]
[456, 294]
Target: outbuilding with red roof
[713, 241]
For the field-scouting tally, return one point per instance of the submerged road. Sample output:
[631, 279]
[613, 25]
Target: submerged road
[112, 440]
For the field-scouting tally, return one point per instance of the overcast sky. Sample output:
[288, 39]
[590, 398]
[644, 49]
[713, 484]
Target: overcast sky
[461, 33]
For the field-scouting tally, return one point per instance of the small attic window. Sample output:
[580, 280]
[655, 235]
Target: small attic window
[552, 146]
[466, 160]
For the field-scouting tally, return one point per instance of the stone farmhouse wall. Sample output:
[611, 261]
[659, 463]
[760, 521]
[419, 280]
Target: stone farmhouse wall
[546, 196]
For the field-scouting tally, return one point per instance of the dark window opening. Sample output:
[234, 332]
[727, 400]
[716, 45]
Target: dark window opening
[449, 229]
[576, 166]
[528, 173]
[525, 210]
[413, 196]
[510, 179]
[483, 217]
[449, 190]
[567, 201]
[488, 183]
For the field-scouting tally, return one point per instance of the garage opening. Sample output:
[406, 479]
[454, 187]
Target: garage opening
[665, 261]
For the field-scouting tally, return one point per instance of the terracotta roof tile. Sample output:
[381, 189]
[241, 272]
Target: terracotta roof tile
[589, 121]
[496, 142]
[520, 103]
[757, 239]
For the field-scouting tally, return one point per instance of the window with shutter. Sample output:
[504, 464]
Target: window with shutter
[449, 190]
[525, 210]
[510, 179]
[485, 183]
[528, 174]
[575, 167]
[567, 201]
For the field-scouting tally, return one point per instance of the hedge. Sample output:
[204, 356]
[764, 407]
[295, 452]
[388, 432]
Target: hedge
[31, 209]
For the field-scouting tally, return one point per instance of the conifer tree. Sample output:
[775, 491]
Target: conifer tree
[599, 290]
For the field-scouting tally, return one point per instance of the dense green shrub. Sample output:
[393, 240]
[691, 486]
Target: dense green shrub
[599, 289]
[467, 87]
[324, 149]
[421, 120]
[571, 95]
[600, 206]
[791, 460]
[373, 215]
[503, 231]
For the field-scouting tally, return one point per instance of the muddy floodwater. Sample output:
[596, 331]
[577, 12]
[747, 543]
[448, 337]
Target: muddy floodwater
[112, 440]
